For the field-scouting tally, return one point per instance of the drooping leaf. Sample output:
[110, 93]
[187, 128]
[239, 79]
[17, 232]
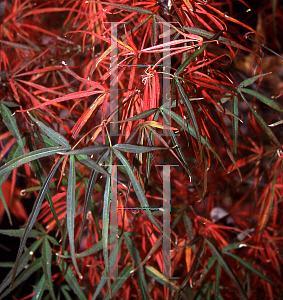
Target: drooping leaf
[23, 261]
[71, 280]
[261, 122]
[46, 266]
[138, 190]
[195, 54]
[33, 215]
[251, 268]
[137, 260]
[71, 209]
[227, 268]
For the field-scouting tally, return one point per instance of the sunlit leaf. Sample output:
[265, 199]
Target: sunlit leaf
[156, 275]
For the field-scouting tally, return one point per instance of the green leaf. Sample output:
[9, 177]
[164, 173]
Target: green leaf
[105, 226]
[195, 54]
[191, 114]
[16, 162]
[71, 209]
[227, 268]
[11, 124]
[104, 277]
[251, 80]
[137, 260]
[155, 274]
[71, 280]
[128, 8]
[235, 122]
[261, 122]
[217, 281]
[118, 283]
[22, 264]
[208, 35]
[191, 131]
[262, 98]
[251, 268]
[33, 215]
[135, 149]
[28, 271]
[46, 266]
[19, 233]
[142, 115]
[39, 290]
[54, 136]
[138, 190]
[87, 150]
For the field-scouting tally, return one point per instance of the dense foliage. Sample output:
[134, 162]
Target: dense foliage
[96, 99]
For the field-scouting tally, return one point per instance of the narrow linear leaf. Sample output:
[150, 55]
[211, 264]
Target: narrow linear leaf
[52, 134]
[217, 281]
[39, 290]
[251, 80]
[104, 277]
[11, 124]
[87, 150]
[32, 268]
[227, 268]
[137, 260]
[19, 233]
[18, 161]
[22, 263]
[142, 115]
[33, 215]
[191, 114]
[196, 54]
[155, 274]
[191, 131]
[71, 280]
[208, 35]
[71, 209]
[262, 98]
[46, 266]
[251, 268]
[105, 226]
[261, 122]
[137, 188]
[136, 149]
[128, 8]
[235, 122]
[118, 283]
